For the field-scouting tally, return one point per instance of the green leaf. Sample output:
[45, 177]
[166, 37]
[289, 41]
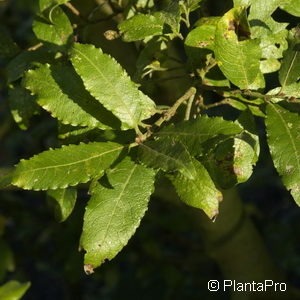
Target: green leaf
[199, 192]
[283, 129]
[290, 66]
[13, 290]
[105, 79]
[63, 201]
[260, 17]
[171, 16]
[167, 155]
[238, 3]
[191, 5]
[7, 262]
[273, 44]
[292, 7]
[59, 33]
[114, 212]
[61, 92]
[193, 133]
[238, 57]
[269, 65]
[231, 162]
[141, 26]
[8, 48]
[199, 43]
[214, 77]
[147, 55]
[22, 105]
[26, 60]
[236, 104]
[292, 90]
[67, 166]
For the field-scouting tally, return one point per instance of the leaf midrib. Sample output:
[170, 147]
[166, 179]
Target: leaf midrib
[69, 164]
[290, 68]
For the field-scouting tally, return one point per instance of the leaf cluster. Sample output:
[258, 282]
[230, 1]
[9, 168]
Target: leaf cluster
[88, 91]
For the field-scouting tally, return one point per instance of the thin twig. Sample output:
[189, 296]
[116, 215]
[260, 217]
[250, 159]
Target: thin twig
[172, 111]
[189, 107]
[35, 47]
[223, 102]
[73, 9]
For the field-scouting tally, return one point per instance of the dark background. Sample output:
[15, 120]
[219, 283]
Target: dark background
[167, 257]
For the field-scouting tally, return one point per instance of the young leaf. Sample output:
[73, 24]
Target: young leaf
[113, 213]
[238, 56]
[105, 79]
[168, 155]
[193, 133]
[283, 129]
[22, 105]
[290, 66]
[63, 201]
[13, 290]
[199, 192]
[141, 26]
[67, 166]
[59, 33]
[60, 91]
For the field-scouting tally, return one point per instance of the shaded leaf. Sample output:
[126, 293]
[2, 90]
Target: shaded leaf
[199, 192]
[7, 262]
[238, 56]
[25, 60]
[13, 290]
[63, 201]
[167, 155]
[113, 213]
[290, 66]
[141, 26]
[105, 79]
[193, 133]
[8, 48]
[61, 92]
[22, 105]
[66, 166]
[283, 129]
[171, 16]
